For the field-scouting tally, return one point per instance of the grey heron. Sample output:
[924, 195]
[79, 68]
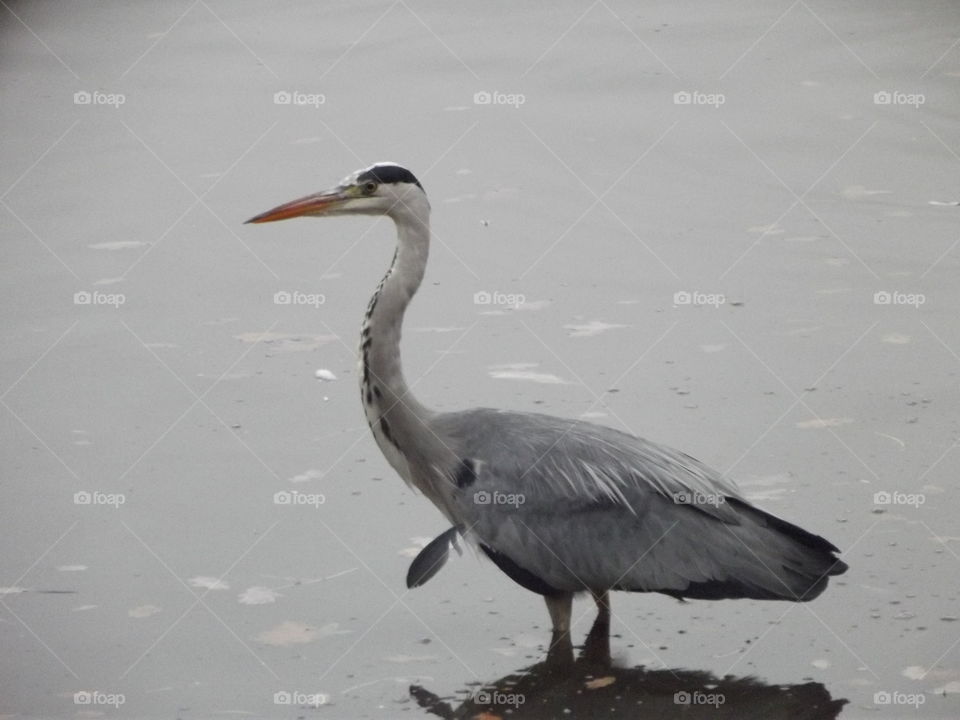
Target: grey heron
[593, 509]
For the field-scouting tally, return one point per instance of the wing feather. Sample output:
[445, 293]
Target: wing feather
[582, 506]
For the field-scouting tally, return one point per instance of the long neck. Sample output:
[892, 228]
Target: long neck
[397, 418]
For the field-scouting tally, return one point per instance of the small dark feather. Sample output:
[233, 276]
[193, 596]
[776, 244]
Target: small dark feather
[385, 429]
[433, 557]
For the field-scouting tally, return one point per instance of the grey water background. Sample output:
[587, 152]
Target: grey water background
[729, 227]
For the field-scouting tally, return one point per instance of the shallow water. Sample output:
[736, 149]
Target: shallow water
[766, 281]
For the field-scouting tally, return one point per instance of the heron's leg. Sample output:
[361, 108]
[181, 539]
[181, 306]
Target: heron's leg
[602, 598]
[597, 646]
[560, 607]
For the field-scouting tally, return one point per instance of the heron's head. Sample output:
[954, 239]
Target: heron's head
[381, 189]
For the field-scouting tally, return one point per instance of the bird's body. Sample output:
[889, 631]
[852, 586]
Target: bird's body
[561, 506]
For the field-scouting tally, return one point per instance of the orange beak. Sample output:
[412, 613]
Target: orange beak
[316, 204]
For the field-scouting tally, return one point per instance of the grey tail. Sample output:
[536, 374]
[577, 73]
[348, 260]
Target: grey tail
[784, 562]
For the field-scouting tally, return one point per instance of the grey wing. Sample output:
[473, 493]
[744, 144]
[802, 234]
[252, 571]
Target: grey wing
[563, 506]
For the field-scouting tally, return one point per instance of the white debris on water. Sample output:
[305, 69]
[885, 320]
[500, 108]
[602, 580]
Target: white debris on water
[410, 658]
[855, 192]
[307, 476]
[117, 245]
[258, 595]
[824, 423]
[208, 583]
[143, 611]
[419, 543]
[292, 632]
[531, 305]
[325, 375]
[523, 371]
[594, 327]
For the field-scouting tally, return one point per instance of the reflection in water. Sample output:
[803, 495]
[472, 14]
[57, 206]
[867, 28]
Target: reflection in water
[590, 686]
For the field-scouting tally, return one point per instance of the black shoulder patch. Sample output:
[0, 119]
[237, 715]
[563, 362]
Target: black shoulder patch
[466, 473]
[388, 174]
